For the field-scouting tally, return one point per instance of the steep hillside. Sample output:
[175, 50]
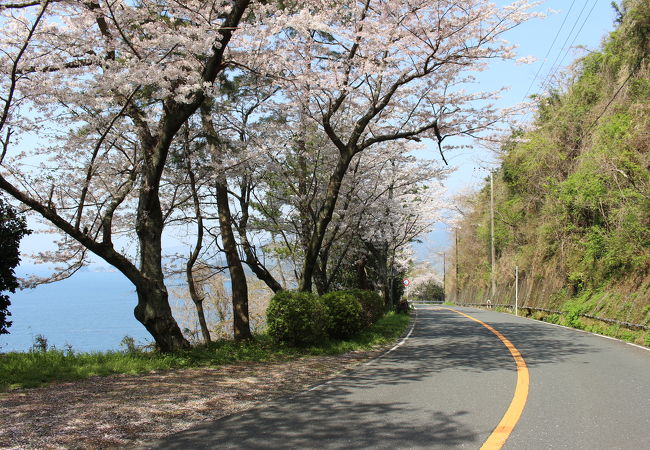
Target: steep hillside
[572, 195]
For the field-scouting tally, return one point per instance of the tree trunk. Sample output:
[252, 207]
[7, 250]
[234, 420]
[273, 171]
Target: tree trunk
[198, 303]
[238, 283]
[204, 325]
[153, 309]
[258, 269]
[320, 278]
[154, 313]
[324, 217]
[251, 259]
[194, 255]
[241, 326]
[362, 276]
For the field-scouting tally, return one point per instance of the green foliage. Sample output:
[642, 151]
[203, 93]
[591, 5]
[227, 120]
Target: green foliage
[129, 345]
[384, 331]
[646, 313]
[430, 290]
[23, 370]
[372, 305]
[344, 314]
[573, 310]
[581, 198]
[640, 89]
[296, 318]
[40, 344]
[12, 230]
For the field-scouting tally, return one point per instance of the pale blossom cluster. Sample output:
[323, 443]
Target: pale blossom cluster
[119, 118]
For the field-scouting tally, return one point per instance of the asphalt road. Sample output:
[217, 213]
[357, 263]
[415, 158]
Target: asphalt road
[449, 385]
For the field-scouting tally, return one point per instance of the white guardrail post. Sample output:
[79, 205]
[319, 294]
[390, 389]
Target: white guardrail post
[516, 290]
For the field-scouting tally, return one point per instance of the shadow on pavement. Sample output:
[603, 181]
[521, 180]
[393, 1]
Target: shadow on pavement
[340, 415]
[325, 421]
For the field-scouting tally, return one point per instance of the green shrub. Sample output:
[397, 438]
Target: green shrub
[296, 318]
[344, 314]
[40, 344]
[372, 305]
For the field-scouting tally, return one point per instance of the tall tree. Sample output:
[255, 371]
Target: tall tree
[374, 71]
[110, 85]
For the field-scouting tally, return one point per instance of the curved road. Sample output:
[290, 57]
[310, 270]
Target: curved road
[450, 384]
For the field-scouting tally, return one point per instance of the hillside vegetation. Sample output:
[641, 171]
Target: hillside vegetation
[572, 194]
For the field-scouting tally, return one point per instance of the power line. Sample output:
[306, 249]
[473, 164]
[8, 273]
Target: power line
[584, 22]
[552, 71]
[557, 34]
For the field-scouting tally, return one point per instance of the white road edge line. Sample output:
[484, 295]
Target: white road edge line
[577, 329]
[399, 344]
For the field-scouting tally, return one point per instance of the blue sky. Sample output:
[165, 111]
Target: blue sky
[579, 23]
[534, 38]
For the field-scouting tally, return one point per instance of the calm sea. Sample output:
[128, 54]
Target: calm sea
[91, 311]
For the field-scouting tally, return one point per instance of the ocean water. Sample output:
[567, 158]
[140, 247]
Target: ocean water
[91, 311]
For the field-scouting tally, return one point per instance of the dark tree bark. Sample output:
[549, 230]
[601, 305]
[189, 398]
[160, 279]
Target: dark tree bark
[238, 281]
[153, 309]
[197, 299]
[239, 284]
[250, 256]
[323, 219]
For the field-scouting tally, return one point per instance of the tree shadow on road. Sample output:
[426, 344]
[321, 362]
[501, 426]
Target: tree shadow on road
[443, 340]
[442, 343]
[326, 420]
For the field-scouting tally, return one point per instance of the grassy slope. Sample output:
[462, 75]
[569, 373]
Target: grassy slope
[18, 370]
[573, 194]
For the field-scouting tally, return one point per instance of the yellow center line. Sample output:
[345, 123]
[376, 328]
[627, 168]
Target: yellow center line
[513, 413]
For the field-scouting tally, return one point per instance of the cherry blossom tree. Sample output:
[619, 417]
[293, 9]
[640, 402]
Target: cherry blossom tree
[388, 198]
[106, 87]
[374, 71]
[95, 93]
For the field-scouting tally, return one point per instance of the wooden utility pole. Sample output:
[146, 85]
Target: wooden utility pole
[457, 285]
[494, 287]
[444, 275]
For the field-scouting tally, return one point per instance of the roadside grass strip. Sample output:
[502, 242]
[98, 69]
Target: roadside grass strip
[38, 368]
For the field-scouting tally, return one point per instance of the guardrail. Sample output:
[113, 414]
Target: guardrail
[634, 326]
[426, 302]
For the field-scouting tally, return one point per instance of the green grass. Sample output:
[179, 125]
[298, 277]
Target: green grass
[36, 368]
[639, 337]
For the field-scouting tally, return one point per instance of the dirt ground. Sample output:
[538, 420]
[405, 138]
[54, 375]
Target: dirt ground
[131, 410]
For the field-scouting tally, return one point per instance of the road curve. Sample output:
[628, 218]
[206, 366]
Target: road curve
[449, 386]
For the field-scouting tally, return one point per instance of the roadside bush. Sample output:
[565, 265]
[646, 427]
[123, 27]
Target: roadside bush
[296, 318]
[344, 314]
[372, 305]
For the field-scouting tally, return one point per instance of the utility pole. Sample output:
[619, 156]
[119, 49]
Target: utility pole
[457, 285]
[444, 276]
[494, 287]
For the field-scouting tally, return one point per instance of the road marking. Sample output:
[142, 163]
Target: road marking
[584, 331]
[518, 403]
[398, 345]
[373, 360]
